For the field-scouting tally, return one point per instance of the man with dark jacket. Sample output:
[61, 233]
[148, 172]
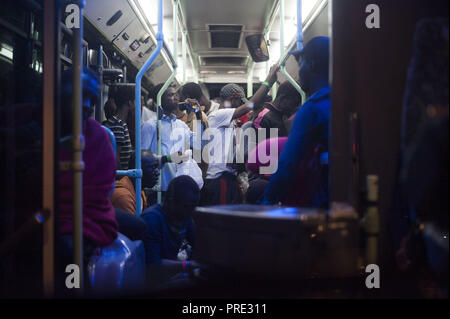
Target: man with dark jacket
[309, 131]
[171, 229]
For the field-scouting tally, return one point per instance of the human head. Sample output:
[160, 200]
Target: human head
[288, 98]
[91, 90]
[110, 108]
[192, 91]
[313, 63]
[170, 98]
[150, 172]
[123, 95]
[232, 96]
[149, 165]
[181, 198]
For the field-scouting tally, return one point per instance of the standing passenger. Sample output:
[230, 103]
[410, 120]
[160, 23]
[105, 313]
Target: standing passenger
[309, 131]
[194, 91]
[273, 115]
[221, 186]
[176, 137]
[123, 96]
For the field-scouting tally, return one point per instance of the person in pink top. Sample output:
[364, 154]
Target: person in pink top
[256, 162]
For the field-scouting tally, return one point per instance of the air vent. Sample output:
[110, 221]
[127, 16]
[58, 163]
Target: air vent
[225, 36]
[223, 61]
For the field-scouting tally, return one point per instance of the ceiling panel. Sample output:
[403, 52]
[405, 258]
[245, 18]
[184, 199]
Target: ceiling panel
[200, 14]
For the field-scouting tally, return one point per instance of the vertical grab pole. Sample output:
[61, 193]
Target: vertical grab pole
[285, 56]
[145, 67]
[184, 53]
[299, 25]
[282, 14]
[52, 30]
[124, 72]
[274, 87]
[165, 86]
[99, 107]
[250, 80]
[78, 146]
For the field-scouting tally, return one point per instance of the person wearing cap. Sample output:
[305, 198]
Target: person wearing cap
[309, 130]
[221, 185]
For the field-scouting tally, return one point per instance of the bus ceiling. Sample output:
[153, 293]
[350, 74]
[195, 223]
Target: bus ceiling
[211, 32]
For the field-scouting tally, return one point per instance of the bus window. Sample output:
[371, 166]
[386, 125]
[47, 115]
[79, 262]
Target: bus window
[21, 78]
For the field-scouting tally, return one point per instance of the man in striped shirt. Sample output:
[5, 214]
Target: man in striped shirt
[120, 103]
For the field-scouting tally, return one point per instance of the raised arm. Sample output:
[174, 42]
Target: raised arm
[259, 95]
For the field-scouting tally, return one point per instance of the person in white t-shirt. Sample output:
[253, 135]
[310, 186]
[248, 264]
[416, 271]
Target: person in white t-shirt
[221, 186]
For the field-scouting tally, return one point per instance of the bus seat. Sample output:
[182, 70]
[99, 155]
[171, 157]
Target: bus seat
[114, 146]
[111, 137]
[117, 267]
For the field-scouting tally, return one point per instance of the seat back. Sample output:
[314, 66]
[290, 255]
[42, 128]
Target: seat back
[114, 146]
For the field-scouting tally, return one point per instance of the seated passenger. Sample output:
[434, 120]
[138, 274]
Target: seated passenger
[221, 185]
[99, 221]
[124, 196]
[171, 229]
[123, 97]
[273, 115]
[176, 137]
[309, 131]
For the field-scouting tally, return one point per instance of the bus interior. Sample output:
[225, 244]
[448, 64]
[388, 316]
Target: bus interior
[385, 160]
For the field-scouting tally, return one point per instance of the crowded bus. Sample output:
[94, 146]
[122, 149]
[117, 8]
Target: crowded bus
[259, 149]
